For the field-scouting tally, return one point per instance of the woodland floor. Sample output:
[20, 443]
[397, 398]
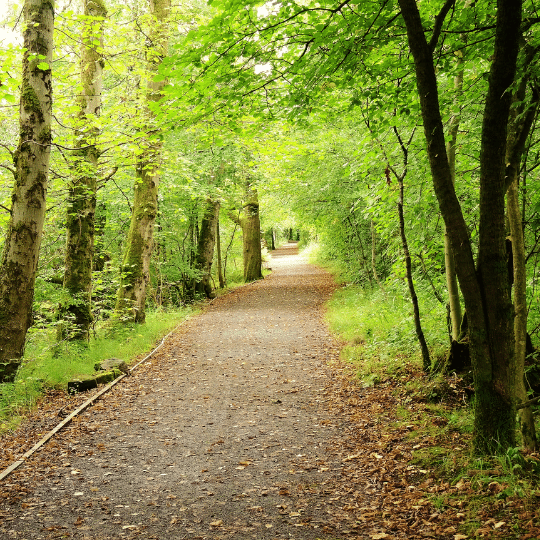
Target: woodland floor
[243, 426]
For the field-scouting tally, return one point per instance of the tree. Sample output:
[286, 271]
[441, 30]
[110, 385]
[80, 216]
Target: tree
[485, 288]
[31, 168]
[131, 301]
[205, 247]
[426, 361]
[521, 120]
[249, 221]
[81, 205]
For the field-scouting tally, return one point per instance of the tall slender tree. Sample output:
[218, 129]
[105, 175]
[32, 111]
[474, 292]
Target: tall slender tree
[31, 160]
[76, 312]
[485, 286]
[521, 120]
[135, 270]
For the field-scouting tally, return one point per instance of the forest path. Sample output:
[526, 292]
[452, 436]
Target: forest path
[224, 433]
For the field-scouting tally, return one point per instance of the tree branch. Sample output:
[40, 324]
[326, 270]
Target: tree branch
[10, 169]
[439, 19]
[6, 147]
[527, 403]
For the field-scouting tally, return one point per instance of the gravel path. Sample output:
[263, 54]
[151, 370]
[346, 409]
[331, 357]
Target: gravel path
[222, 434]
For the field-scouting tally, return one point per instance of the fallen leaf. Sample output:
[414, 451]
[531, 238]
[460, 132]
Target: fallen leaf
[217, 523]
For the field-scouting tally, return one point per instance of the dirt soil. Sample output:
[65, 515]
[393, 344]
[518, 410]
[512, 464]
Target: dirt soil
[245, 425]
[223, 433]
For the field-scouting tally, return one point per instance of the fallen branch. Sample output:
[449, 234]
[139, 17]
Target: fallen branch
[527, 403]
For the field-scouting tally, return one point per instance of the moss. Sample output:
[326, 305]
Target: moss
[45, 135]
[30, 100]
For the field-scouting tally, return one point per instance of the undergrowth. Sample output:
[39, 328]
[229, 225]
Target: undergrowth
[493, 494]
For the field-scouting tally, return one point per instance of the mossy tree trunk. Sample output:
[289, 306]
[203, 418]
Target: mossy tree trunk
[221, 276]
[76, 311]
[31, 168]
[251, 236]
[250, 223]
[522, 117]
[135, 269]
[449, 264]
[205, 247]
[484, 285]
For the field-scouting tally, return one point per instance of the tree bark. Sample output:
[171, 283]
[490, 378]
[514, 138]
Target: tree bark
[450, 267]
[250, 223]
[519, 128]
[31, 160]
[251, 236]
[486, 294]
[135, 270]
[205, 247]
[81, 207]
[221, 276]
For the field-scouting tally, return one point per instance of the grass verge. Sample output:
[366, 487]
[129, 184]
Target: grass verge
[430, 420]
[48, 364]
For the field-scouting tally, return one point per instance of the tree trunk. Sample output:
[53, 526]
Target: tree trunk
[81, 207]
[525, 415]
[519, 128]
[205, 247]
[363, 258]
[486, 295]
[426, 361]
[374, 253]
[450, 267]
[251, 236]
[236, 224]
[135, 271]
[221, 277]
[31, 159]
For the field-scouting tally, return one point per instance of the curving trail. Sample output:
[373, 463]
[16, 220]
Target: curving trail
[223, 434]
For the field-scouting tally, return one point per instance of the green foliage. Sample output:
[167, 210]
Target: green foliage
[379, 328]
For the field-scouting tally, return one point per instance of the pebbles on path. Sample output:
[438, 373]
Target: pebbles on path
[222, 434]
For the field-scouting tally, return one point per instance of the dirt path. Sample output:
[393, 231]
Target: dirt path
[222, 434]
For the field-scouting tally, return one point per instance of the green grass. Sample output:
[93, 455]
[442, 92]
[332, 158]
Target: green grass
[433, 415]
[379, 328]
[48, 364]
